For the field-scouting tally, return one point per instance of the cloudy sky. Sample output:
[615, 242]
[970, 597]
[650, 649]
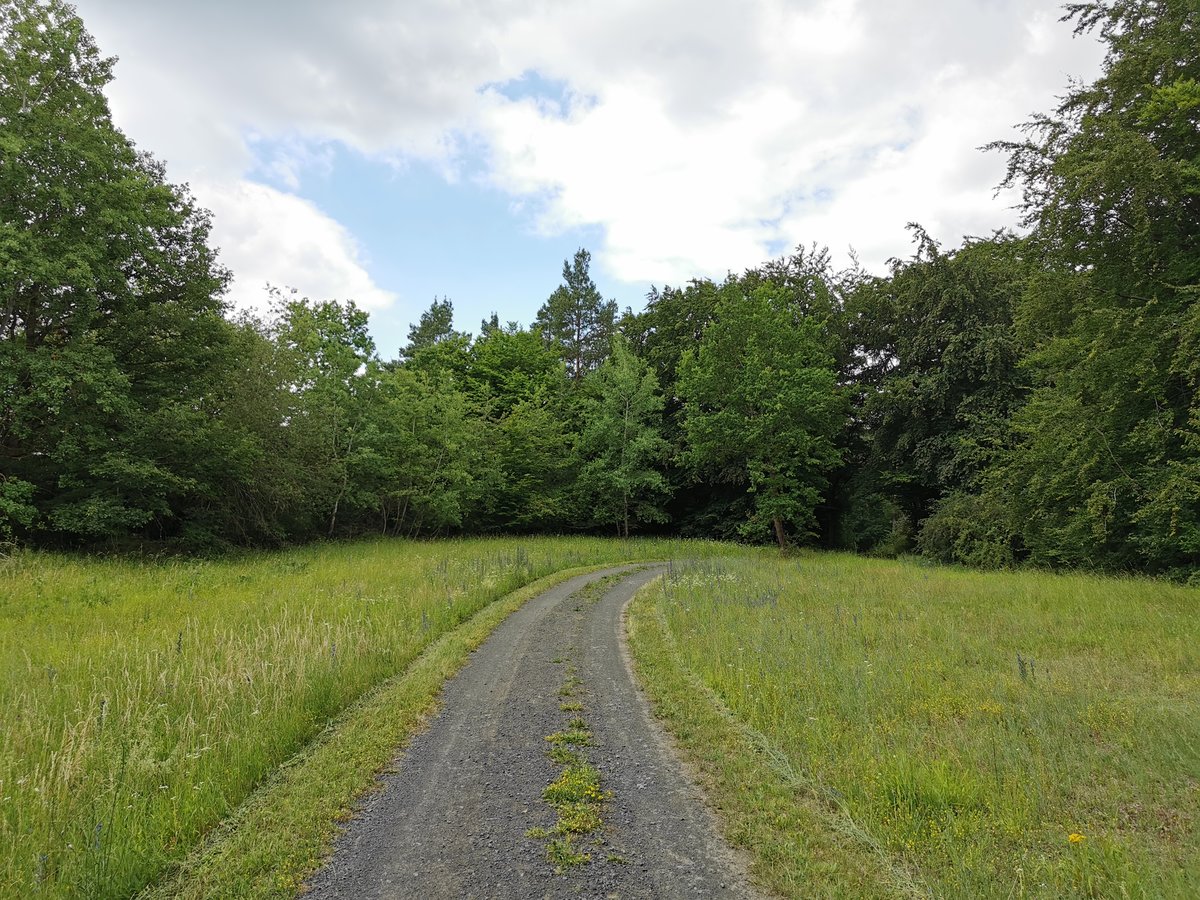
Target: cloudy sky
[390, 152]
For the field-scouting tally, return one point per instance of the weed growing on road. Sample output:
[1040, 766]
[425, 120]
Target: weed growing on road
[576, 736]
[563, 854]
[575, 795]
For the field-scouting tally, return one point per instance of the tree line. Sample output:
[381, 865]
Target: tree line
[1017, 398]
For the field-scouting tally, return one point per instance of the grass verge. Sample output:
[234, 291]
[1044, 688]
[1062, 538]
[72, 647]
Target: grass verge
[279, 837]
[798, 841]
[1014, 734]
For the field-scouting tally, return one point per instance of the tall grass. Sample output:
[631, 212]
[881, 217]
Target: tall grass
[141, 702]
[996, 735]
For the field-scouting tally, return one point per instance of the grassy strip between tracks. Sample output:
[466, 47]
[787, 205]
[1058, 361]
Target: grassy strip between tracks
[575, 795]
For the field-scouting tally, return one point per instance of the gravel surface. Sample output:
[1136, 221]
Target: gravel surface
[450, 820]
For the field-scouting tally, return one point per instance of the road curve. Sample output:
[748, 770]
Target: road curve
[450, 820]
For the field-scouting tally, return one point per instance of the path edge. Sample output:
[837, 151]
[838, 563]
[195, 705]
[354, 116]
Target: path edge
[757, 808]
[735, 859]
[285, 830]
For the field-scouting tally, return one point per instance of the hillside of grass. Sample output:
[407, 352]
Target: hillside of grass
[874, 727]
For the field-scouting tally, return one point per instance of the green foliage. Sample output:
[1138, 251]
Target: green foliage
[520, 386]
[939, 360]
[972, 529]
[113, 319]
[576, 320]
[1107, 462]
[332, 377]
[16, 508]
[762, 408]
[621, 443]
[435, 325]
[673, 322]
[511, 365]
[532, 451]
[421, 457]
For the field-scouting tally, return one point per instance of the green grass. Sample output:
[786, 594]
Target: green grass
[277, 838]
[141, 703]
[885, 727]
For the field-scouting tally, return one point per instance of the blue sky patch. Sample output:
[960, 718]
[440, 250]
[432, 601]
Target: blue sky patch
[425, 237]
[552, 95]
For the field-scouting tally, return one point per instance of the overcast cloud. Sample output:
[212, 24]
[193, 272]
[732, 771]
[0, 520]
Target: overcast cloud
[700, 136]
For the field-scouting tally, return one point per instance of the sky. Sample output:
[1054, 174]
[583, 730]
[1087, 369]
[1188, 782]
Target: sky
[394, 152]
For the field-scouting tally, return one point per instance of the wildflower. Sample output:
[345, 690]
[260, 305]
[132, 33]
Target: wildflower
[1076, 838]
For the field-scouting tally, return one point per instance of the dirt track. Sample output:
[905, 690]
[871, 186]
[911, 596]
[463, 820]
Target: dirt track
[451, 820]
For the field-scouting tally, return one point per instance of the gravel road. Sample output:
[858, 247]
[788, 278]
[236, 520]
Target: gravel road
[451, 819]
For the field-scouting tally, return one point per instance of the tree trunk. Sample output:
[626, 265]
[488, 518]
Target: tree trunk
[779, 535]
[333, 515]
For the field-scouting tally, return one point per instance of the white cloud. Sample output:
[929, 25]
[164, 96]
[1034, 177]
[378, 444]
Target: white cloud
[268, 236]
[834, 122]
[713, 132]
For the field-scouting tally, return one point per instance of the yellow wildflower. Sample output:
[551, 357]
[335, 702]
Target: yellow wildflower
[1076, 838]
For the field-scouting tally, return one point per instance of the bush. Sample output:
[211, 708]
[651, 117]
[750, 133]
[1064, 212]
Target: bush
[971, 529]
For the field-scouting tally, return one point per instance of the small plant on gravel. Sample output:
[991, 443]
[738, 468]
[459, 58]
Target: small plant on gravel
[575, 737]
[579, 783]
[579, 818]
[571, 706]
[562, 755]
[563, 854]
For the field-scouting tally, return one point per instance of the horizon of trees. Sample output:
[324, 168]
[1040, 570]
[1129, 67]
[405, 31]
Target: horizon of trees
[1016, 399]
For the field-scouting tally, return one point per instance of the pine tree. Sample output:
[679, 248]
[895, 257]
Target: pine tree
[577, 320]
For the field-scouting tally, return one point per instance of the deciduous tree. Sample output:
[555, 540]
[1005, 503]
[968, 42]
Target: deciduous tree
[763, 408]
[1106, 473]
[621, 446]
[112, 339]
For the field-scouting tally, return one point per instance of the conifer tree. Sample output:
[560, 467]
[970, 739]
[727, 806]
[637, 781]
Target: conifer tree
[577, 320]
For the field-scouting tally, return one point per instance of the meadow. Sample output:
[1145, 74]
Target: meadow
[142, 702]
[893, 728]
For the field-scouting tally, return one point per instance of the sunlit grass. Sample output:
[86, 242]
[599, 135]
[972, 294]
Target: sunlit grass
[967, 725]
[140, 703]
